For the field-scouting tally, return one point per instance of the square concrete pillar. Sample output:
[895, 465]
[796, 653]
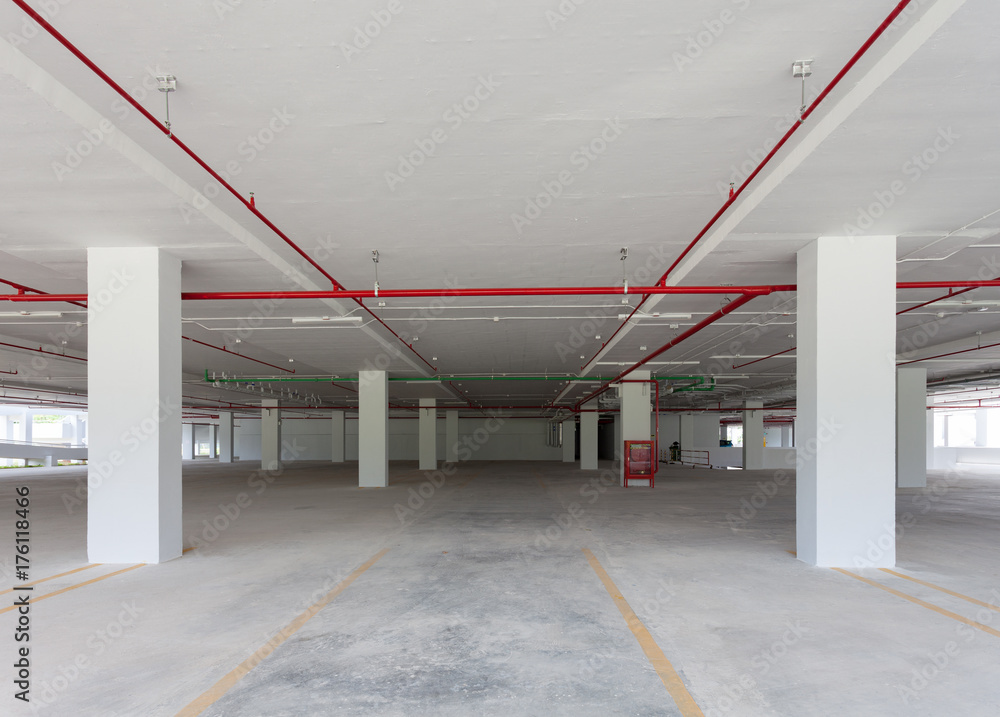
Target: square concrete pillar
[337, 424]
[569, 440]
[451, 436]
[636, 405]
[911, 427]
[753, 435]
[589, 418]
[226, 437]
[270, 434]
[187, 441]
[428, 434]
[134, 387]
[982, 427]
[846, 406]
[373, 429]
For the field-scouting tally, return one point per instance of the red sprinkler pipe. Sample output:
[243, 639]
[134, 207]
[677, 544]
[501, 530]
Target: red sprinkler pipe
[721, 410]
[947, 285]
[45, 401]
[40, 350]
[749, 290]
[934, 301]
[48, 297]
[727, 309]
[953, 353]
[22, 290]
[426, 293]
[233, 353]
[780, 353]
[735, 194]
[249, 204]
[485, 292]
[891, 18]
[165, 130]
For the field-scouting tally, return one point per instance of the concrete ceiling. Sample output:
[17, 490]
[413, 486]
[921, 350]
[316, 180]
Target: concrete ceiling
[689, 95]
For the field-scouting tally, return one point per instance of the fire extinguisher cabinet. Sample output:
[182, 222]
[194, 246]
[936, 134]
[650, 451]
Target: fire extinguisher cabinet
[640, 463]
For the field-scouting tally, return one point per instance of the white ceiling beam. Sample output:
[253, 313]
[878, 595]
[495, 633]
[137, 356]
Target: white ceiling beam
[19, 66]
[832, 114]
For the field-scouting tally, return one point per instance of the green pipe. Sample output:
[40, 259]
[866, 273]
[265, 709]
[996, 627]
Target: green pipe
[699, 386]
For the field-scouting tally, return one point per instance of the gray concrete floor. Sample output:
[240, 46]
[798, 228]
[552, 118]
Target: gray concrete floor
[485, 604]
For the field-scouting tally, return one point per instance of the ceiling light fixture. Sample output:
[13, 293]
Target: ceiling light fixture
[327, 320]
[33, 314]
[682, 317]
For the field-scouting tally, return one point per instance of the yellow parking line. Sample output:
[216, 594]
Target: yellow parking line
[53, 577]
[671, 680]
[973, 600]
[922, 603]
[78, 585]
[220, 688]
[33, 600]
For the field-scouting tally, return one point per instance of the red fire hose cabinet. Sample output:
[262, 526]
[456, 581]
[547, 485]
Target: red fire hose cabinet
[640, 463]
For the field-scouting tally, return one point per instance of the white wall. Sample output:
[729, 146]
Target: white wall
[515, 439]
[779, 458]
[729, 456]
[774, 458]
[948, 457]
[706, 430]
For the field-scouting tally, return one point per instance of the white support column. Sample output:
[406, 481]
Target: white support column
[931, 462]
[723, 432]
[451, 436]
[569, 440]
[28, 427]
[226, 435]
[428, 434]
[270, 434]
[589, 418]
[213, 441]
[619, 444]
[337, 423]
[753, 435]
[786, 436]
[187, 441]
[982, 427]
[636, 405]
[911, 428]
[845, 487]
[134, 387]
[373, 429]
